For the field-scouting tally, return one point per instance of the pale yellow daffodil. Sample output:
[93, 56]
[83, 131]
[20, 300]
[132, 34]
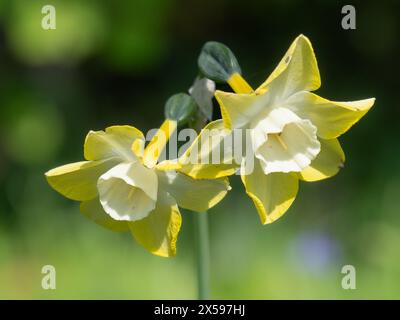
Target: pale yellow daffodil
[122, 187]
[293, 131]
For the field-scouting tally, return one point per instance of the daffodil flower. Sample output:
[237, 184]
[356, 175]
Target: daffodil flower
[293, 131]
[123, 187]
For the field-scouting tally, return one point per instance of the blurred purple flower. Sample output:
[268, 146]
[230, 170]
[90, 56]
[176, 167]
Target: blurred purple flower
[314, 252]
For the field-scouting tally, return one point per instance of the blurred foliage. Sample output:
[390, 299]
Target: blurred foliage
[117, 63]
[33, 132]
[80, 27]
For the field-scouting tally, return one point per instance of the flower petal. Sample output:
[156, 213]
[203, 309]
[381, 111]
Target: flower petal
[332, 118]
[237, 110]
[327, 163]
[128, 191]
[197, 195]
[202, 91]
[298, 70]
[169, 165]
[272, 194]
[93, 210]
[116, 141]
[158, 232]
[209, 157]
[78, 180]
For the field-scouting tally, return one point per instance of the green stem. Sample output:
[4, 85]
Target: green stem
[203, 255]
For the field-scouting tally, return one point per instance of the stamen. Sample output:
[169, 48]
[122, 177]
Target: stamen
[302, 130]
[131, 193]
[280, 140]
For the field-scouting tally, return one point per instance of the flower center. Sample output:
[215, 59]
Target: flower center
[279, 139]
[128, 191]
[290, 150]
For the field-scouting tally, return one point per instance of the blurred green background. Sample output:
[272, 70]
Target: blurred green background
[116, 63]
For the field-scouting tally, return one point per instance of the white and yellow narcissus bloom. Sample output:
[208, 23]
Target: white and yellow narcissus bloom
[122, 186]
[293, 131]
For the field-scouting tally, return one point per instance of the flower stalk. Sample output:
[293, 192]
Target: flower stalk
[202, 255]
[238, 84]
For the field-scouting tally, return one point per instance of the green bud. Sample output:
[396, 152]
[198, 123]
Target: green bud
[180, 107]
[217, 62]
